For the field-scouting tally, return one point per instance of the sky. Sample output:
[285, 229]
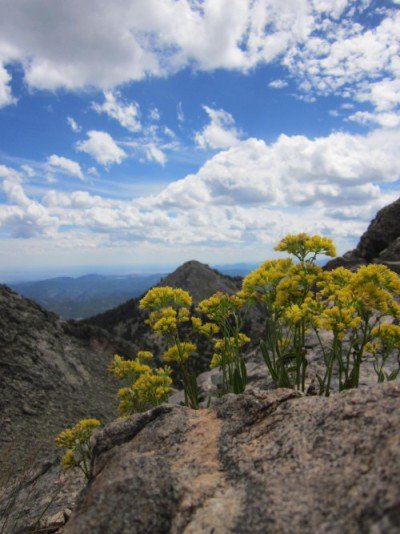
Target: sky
[137, 133]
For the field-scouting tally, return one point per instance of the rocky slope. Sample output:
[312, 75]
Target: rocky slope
[51, 374]
[379, 244]
[264, 461]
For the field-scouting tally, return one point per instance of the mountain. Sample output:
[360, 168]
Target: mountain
[77, 298]
[200, 280]
[128, 321]
[52, 373]
[379, 244]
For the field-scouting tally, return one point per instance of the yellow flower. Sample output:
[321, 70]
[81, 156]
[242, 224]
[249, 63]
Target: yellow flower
[303, 245]
[220, 306]
[388, 336]
[161, 297]
[68, 460]
[209, 329]
[196, 323]
[128, 369]
[80, 432]
[179, 353]
[294, 314]
[261, 283]
[144, 355]
[216, 360]
[298, 285]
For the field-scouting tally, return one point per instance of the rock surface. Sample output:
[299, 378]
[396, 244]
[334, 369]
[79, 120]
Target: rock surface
[258, 462]
[52, 374]
[379, 244]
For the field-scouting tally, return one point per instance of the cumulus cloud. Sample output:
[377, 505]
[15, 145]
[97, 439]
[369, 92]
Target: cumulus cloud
[221, 131]
[325, 45]
[65, 165]
[102, 147]
[10, 173]
[277, 84]
[386, 120]
[352, 60]
[126, 114]
[252, 193]
[144, 39]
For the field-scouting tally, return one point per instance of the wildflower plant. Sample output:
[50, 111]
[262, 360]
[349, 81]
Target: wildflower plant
[385, 342]
[223, 313]
[77, 441]
[170, 309]
[146, 386]
[301, 297]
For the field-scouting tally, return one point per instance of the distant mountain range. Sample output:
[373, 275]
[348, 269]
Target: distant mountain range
[77, 298]
[92, 294]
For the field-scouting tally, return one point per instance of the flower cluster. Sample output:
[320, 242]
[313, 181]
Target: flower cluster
[306, 247]
[225, 311]
[77, 442]
[169, 309]
[164, 297]
[147, 386]
[347, 304]
[261, 283]
[179, 353]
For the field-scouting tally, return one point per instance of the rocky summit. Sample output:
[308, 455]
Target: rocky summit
[379, 244]
[200, 280]
[263, 461]
[51, 374]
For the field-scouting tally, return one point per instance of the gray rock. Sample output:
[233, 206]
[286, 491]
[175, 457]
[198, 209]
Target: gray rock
[40, 499]
[379, 244]
[258, 462]
[52, 374]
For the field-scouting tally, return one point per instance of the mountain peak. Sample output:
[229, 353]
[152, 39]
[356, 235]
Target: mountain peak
[200, 280]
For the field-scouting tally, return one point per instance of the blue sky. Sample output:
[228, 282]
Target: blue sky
[163, 131]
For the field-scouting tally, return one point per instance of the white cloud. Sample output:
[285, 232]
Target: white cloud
[66, 165]
[221, 131]
[153, 153]
[6, 96]
[93, 171]
[323, 44]
[126, 114]
[249, 195]
[25, 218]
[73, 125]
[102, 147]
[129, 40]
[9, 173]
[277, 84]
[351, 60]
[27, 169]
[180, 113]
[155, 114]
[386, 120]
